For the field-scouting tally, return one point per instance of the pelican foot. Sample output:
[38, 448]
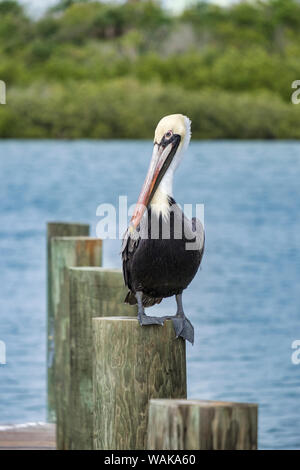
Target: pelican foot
[145, 320]
[182, 327]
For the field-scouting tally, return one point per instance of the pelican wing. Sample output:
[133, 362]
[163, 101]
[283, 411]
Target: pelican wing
[129, 245]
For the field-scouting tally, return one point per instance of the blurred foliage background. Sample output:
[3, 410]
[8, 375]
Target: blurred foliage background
[89, 69]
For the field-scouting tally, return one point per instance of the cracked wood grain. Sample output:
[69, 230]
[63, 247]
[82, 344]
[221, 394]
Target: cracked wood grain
[132, 364]
[94, 292]
[202, 425]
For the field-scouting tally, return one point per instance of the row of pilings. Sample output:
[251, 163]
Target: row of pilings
[113, 385]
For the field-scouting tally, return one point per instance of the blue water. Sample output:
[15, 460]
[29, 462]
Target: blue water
[244, 302]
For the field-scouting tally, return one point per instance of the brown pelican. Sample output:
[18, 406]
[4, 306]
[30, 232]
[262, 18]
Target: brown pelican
[157, 262]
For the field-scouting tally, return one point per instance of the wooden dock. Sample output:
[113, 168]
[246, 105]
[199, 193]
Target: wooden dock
[30, 436]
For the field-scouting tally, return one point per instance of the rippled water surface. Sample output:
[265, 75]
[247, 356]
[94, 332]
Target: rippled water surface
[244, 302]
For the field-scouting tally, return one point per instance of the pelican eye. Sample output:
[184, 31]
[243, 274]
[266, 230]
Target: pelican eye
[168, 134]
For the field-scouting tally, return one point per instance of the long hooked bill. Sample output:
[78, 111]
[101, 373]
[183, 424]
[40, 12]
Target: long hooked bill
[160, 162]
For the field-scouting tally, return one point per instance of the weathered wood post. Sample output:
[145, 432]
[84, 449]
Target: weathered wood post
[94, 292]
[66, 252]
[131, 365]
[202, 425]
[56, 229]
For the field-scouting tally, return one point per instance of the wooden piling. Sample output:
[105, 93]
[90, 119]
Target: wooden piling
[94, 292]
[202, 425]
[56, 229]
[66, 252]
[132, 364]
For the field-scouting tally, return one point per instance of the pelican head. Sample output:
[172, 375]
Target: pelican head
[171, 138]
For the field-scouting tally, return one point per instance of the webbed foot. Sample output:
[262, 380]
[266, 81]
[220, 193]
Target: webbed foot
[146, 320]
[183, 328]
[181, 323]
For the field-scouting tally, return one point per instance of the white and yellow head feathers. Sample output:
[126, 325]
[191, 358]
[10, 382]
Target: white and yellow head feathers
[180, 125]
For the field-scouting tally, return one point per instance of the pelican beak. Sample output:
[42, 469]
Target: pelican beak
[162, 157]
